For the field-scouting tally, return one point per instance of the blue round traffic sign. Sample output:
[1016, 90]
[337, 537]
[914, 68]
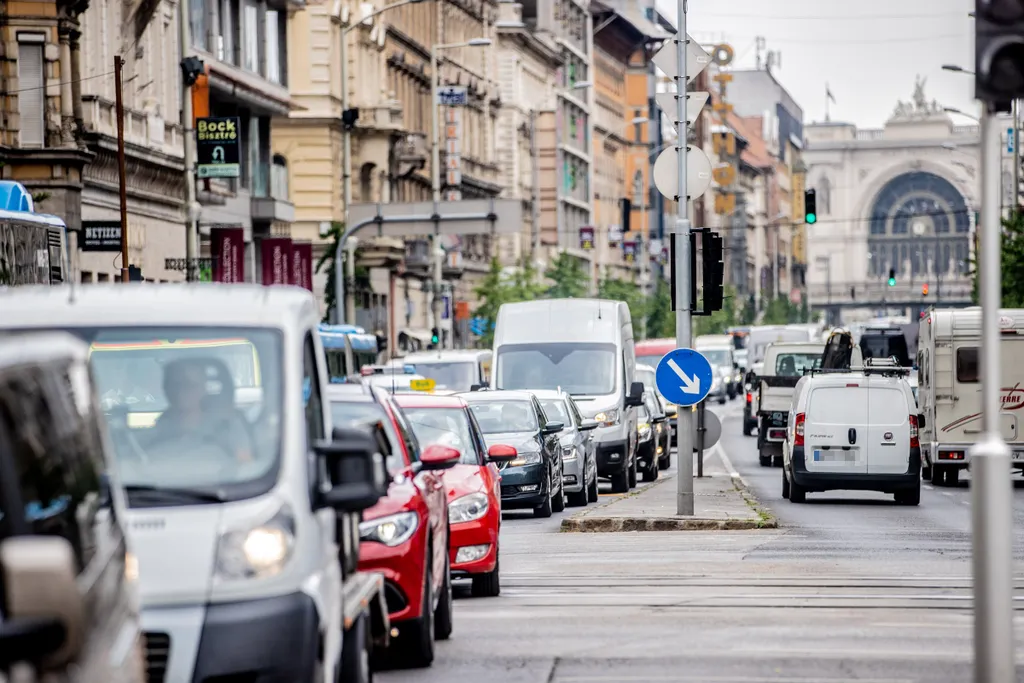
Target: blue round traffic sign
[684, 377]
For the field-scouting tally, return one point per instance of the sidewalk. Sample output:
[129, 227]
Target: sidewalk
[721, 501]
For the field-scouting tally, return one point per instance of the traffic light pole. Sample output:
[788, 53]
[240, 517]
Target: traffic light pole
[991, 488]
[684, 332]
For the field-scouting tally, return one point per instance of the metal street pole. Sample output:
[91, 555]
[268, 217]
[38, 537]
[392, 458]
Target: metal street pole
[435, 186]
[189, 143]
[535, 189]
[684, 490]
[644, 253]
[991, 489]
[1016, 154]
[121, 171]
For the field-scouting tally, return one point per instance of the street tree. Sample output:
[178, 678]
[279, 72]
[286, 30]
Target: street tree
[568, 279]
[624, 290]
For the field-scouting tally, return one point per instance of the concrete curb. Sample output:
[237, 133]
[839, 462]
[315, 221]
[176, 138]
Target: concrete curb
[614, 524]
[767, 519]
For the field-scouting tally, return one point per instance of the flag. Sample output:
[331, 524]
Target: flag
[829, 95]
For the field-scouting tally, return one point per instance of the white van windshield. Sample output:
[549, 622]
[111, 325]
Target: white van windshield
[585, 369]
[455, 376]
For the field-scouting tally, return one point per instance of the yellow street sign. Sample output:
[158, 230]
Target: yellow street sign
[422, 384]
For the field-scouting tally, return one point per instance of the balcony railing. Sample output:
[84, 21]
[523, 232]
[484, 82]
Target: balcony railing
[270, 181]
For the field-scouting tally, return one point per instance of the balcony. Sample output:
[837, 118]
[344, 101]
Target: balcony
[146, 129]
[270, 199]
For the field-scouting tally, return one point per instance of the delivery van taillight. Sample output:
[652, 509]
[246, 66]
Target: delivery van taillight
[915, 442]
[750, 397]
[798, 430]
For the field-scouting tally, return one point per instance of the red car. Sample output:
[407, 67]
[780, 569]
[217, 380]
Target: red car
[405, 535]
[474, 485]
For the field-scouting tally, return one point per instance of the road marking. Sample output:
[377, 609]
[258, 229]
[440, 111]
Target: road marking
[733, 679]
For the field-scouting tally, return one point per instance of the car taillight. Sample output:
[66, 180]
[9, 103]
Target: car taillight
[915, 442]
[750, 397]
[798, 430]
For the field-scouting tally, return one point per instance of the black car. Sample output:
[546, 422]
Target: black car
[515, 418]
[661, 428]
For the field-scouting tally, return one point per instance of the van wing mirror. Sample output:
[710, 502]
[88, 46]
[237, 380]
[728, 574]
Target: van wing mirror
[588, 424]
[44, 621]
[355, 465]
[635, 398]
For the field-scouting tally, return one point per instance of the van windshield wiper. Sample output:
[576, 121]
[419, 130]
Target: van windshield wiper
[197, 495]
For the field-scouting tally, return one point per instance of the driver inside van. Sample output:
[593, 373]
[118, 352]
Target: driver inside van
[188, 413]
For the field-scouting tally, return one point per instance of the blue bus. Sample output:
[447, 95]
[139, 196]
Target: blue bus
[348, 348]
[33, 246]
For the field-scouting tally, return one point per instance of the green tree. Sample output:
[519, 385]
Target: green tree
[492, 292]
[781, 311]
[524, 284]
[624, 290]
[568, 278]
[1013, 261]
[326, 265]
[719, 321]
[661, 319]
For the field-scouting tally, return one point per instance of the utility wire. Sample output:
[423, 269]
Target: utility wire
[832, 17]
[59, 83]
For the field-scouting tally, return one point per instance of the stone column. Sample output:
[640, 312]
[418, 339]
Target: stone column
[76, 85]
[67, 114]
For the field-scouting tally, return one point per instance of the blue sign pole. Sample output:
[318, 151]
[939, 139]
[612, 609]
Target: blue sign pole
[684, 377]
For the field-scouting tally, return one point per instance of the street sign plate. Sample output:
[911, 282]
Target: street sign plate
[402, 219]
[452, 96]
[1009, 140]
[698, 172]
[422, 384]
[712, 430]
[696, 59]
[684, 377]
[694, 105]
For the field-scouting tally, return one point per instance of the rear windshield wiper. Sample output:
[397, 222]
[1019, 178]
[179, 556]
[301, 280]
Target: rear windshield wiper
[175, 492]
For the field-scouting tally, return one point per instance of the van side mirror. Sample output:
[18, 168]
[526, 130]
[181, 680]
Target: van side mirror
[658, 419]
[355, 462]
[44, 621]
[588, 425]
[635, 398]
[478, 387]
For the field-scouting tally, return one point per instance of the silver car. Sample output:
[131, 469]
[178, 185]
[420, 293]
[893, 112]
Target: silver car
[579, 459]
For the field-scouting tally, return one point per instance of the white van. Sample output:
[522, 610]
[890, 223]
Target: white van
[585, 348]
[455, 370]
[62, 523]
[853, 430]
[242, 513]
[949, 389]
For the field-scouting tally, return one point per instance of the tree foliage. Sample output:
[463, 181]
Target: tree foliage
[500, 286]
[568, 279]
[624, 290]
[1013, 261]
[326, 266]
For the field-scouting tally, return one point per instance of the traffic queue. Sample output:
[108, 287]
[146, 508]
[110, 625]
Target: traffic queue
[278, 507]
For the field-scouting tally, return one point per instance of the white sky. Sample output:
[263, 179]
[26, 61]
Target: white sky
[868, 51]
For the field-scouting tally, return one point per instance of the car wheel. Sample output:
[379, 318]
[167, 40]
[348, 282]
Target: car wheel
[747, 428]
[721, 399]
[620, 481]
[443, 614]
[911, 496]
[488, 585]
[632, 473]
[558, 500]
[544, 509]
[592, 492]
[416, 638]
[651, 473]
[797, 493]
[356, 648]
[665, 461]
[926, 472]
[785, 484]
[578, 499]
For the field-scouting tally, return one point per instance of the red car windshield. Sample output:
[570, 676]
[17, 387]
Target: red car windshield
[446, 427]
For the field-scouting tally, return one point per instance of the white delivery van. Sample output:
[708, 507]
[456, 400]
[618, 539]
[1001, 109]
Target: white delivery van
[854, 430]
[949, 388]
[63, 523]
[585, 348]
[242, 511]
[784, 365]
[763, 335]
[455, 370]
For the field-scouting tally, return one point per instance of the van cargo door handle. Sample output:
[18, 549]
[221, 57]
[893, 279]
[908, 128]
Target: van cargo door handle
[853, 436]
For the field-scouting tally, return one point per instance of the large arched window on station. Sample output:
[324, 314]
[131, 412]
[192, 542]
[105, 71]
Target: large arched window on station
[919, 225]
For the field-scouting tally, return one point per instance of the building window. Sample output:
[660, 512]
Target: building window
[197, 23]
[251, 38]
[31, 90]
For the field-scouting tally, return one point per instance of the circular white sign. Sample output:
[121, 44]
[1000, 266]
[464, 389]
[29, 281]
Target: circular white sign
[1005, 322]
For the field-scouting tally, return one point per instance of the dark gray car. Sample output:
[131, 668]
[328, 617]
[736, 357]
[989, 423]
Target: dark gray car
[579, 458]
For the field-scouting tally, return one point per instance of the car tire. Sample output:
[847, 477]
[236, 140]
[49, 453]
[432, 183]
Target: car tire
[356, 651]
[797, 493]
[488, 585]
[416, 639]
[721, 400]
[747, 429]
[665, 461]
[620, 481]
[592, 491]
[544, 509]
[558, 501]
[911, 496]
[578, 499]
[443, 621]
[785, 484]
[632, 473]
[651, 473]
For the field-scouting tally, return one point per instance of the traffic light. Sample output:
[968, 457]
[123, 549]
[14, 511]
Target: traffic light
[810, 207]
[435, 336]
[924, 289]
[892, 277]
[713, 261]
[998, 51]
[626, 206]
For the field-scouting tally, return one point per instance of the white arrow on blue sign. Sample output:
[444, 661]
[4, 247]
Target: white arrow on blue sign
[684, 377]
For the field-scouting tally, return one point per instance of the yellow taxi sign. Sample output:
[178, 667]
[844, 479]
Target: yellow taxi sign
[422, 384]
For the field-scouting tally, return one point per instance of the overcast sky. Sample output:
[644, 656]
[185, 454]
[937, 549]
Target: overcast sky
[867, 51]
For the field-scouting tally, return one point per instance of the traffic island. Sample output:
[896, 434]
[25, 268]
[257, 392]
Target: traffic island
[722, 502]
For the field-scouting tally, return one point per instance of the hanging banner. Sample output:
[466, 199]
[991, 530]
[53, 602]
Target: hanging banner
[275, 254]
[217, 147]
[302, 265]
[453, 153]
[587, 237]
[614, 235]
[629, 249]
[227, 246]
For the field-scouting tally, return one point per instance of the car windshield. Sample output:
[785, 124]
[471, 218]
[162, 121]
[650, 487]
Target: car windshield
[455, 376]
[190, 408]
[577, 368]
[796, 364]
[647, 378]
[651, 360]
[353, 413]
[444, 427]
[502, 417]
[554, 408]
[717, 357]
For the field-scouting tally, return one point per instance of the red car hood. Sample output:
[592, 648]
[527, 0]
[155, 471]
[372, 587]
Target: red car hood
[401, 498]
[462, 480]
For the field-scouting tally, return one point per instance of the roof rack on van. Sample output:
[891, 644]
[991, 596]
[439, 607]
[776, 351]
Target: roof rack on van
[872, 366]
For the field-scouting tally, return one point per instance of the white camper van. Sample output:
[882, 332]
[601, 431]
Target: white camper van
[585, 348]
[949, 388]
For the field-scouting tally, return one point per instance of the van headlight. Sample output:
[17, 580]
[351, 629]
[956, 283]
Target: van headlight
[644, 429]
[608, 418]
[391, 530]
[467, 508]
[257, 552]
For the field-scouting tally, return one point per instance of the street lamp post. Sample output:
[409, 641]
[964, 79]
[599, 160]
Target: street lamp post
[437, 253]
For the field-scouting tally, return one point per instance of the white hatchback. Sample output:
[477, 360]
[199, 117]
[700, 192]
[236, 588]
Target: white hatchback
[854, 430]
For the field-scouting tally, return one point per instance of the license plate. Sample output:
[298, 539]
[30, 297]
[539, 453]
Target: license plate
[834, 456]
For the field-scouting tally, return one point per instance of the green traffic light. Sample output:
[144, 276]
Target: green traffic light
[892, 282]
[811, 218]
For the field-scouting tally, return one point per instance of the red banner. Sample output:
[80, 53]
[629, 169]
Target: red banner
[276, 254]
[228, 251]
[302, 265]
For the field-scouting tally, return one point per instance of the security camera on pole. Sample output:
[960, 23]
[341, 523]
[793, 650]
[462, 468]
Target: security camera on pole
[681, 173]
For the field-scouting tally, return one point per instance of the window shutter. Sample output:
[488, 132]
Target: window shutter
[31, 95]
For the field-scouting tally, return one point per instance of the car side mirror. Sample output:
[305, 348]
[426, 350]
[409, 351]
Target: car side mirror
[921, 422]
[44, 620]
[736, 366]
[478, 387]
[438, 457]
[658, 419]
[636, 395]
[670, 411]
[553, 427]
[588, 425]
[501, 453]
[355, 463]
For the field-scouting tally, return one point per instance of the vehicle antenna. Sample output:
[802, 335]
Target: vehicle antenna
[598, 309]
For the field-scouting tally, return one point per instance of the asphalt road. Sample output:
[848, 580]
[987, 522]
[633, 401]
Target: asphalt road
[851, 588]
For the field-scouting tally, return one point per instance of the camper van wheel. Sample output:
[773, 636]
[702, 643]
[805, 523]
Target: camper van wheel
[797, 493]
[926, 472]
